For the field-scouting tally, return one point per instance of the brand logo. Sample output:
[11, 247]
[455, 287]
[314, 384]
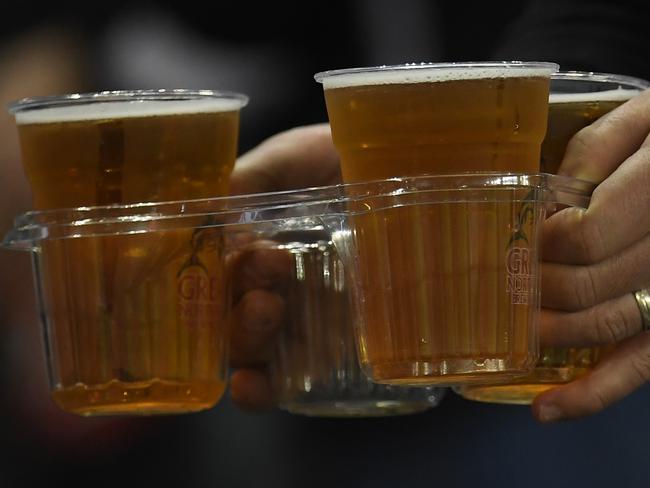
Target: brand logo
[197, 297]
[519, 279]
[196, 286]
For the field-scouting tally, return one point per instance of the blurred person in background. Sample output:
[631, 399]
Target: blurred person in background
[270, 52]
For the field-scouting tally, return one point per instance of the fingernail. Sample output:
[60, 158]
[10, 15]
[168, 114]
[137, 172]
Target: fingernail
[549, 413]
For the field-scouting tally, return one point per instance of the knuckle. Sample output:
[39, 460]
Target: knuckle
[611, 324]
[640, 362]
[591, 240]
[598, 395]
[584, 288]
[583, 141]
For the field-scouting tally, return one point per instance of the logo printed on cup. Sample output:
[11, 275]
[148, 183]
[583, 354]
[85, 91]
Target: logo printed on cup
[197, 286]
[519, 276]
[197, 294]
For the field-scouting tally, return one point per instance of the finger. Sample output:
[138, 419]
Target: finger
[617, 216]
[260, 266]
[618, 374]
[575, 287]
[598, 149]
[256, 321]
[298, 158]
[605, 323]
[250, 389]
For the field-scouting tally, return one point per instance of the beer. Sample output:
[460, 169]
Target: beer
[576, 100]
[131, 329]
[448, 289]
[134, 322]
[128, 151]
[434, 292]
[437, 121]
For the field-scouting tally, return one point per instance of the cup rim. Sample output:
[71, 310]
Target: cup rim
[598, 77]
[543, 67]
[326, 201]
[110, 96]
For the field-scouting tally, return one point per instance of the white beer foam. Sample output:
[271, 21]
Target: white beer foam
[125, 109]
[429, 75]
[619, 95]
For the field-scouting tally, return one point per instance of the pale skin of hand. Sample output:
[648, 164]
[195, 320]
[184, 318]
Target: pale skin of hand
[596, 258]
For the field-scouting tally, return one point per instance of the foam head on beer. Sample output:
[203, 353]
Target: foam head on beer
[621, 95]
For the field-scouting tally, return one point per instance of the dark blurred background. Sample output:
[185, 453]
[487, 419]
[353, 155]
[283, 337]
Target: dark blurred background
[271, 51]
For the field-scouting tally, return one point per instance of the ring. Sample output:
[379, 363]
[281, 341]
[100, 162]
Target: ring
[642, 298]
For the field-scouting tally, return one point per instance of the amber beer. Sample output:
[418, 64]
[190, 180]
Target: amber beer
[452, 316]
[577, 99]
[135, 323]
[437, 120]
[128, 151]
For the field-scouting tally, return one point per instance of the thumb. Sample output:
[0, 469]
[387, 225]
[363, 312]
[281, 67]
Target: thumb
[624, 370]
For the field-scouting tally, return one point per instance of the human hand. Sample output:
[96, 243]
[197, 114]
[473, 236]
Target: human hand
[596, 258]
[298, 158]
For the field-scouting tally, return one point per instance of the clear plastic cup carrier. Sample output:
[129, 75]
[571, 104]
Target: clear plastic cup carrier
[437, 277]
